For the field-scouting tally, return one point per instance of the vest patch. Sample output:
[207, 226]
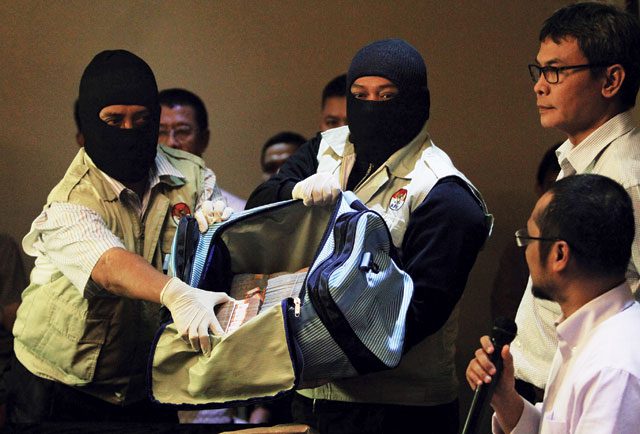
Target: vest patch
[398, 199]
[179, 210]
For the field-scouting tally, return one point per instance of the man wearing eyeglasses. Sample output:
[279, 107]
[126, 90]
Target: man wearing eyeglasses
[586, 76]
[578, 243]
[184, 125]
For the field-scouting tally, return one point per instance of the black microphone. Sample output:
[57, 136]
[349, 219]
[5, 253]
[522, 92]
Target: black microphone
[503, 332]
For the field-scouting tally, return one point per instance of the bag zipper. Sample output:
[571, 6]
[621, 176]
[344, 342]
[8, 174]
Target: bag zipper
[296, 307]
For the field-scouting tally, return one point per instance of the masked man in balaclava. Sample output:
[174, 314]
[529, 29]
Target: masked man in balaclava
[436, 218]
[87, 319]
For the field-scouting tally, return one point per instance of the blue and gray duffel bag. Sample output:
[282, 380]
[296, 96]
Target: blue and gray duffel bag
[348, 318]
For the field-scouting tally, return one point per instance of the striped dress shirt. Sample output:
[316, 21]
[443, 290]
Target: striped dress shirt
[71, 238]
[613, 150]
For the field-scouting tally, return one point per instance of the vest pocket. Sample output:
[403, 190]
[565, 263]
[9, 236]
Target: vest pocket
[68, 342]
[76, 328]
[80, 339]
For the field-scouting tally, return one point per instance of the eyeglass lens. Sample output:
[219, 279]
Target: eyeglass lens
[550, 73]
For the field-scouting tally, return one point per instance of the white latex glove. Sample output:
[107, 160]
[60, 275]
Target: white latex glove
[212, 212]
[318, 189]
[192, 311]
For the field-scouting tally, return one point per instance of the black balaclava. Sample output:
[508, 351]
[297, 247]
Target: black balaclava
[380, 128]
[119, 77]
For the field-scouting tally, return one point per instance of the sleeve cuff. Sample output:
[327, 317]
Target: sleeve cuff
[529, 420]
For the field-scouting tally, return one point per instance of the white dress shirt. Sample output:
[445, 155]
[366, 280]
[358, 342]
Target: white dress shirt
[594, 384]
[612, 150]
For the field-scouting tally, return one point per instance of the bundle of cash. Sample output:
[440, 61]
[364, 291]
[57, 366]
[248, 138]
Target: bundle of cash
[254, 293]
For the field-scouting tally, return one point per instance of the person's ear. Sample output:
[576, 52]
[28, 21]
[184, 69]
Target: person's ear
[560, 255]
[80, 139]
[614, 77]
[204, 140]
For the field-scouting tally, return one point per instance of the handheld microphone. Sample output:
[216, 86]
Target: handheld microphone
[503, 332]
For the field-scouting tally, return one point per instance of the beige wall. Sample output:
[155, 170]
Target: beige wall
[260, 67]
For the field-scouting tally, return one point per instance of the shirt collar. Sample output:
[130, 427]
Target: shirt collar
[397, 164]
[586, 152]
[575, 329]
[161, 172]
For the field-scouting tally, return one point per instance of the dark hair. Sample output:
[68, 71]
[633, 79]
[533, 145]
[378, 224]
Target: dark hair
[288, 137]
[174, 97]
[549, 163]
[594, 215]
[606, 35]
[336, 87]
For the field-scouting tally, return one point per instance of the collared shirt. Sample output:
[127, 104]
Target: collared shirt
[71, 238]
[594, 384]
[612, 150]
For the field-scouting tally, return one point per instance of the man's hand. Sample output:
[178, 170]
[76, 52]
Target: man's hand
[318, 189]
[212, 212]
[481, 369]
[506, 402]
[192, 311]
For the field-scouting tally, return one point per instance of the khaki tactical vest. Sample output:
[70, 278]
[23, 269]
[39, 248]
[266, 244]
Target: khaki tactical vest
[426, 375]
[100, 343]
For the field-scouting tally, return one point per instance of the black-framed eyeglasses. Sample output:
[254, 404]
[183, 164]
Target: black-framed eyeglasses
[523, 238]
[552, 73]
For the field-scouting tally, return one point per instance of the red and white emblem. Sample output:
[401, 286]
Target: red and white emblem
[179, 210]
[398, 199]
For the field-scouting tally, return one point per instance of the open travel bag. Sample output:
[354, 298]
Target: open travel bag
[331, 298]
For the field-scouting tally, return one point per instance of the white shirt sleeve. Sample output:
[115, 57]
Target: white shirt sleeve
[70, 238]
[211, 191]
[527, 424]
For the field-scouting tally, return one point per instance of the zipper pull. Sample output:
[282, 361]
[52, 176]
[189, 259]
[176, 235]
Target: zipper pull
[296, 306]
